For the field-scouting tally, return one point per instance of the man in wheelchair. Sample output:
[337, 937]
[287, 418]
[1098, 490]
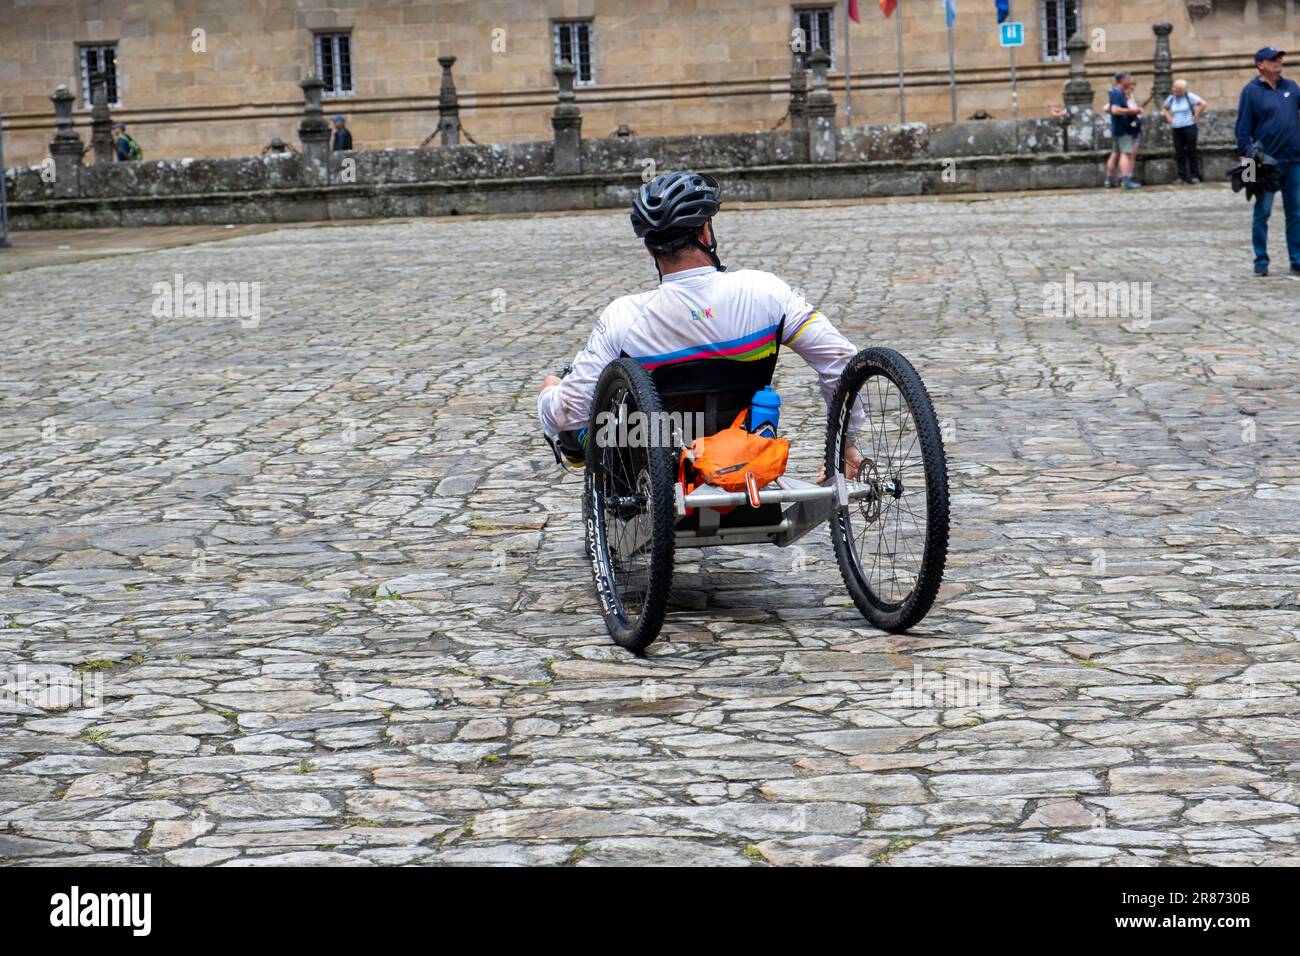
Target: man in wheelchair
[698, 311]
[702, 346]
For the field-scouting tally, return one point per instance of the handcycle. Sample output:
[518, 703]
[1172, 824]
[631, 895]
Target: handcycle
[888, 516]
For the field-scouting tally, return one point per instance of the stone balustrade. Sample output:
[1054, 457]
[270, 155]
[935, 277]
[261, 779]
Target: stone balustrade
[811, 158]
[986, 155]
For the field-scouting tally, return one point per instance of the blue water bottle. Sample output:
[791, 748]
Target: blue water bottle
[765, 412]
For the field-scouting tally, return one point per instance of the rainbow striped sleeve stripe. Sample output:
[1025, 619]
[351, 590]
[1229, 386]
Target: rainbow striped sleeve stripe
[801, 326]
[748, 348]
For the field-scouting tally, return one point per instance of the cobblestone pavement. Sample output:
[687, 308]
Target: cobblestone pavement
[333, 587]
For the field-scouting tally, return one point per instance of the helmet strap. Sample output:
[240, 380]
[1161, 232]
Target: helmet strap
[711, 249]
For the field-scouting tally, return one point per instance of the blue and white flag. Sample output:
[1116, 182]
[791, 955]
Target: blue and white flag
[950, 11]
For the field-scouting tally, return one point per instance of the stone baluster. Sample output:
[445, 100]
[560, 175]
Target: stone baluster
[567, 123]
[1078, 130]
[314, 133]
[448, 105]
[798, 93]
[823, 136]
[1162, 83]
[66, 148]
[101, 120]
[1078, 92]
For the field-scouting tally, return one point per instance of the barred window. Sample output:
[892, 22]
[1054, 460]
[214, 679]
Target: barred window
[334, 63]
[815, 22]
[1062, 19]
[575, 42]
[96, 59]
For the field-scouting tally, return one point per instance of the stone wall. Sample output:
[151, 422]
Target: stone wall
[663, 67]
[990, 155]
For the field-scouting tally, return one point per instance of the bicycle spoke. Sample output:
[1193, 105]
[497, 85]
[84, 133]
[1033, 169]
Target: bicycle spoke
[886, 533]
[624, 486]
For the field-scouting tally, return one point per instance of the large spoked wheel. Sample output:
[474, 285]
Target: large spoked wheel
[891, 540]
[628, 504]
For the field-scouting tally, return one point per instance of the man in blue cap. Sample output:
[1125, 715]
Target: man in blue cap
[342, 135]
[1268, 119]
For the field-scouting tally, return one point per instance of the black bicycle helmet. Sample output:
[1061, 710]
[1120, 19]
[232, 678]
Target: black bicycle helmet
[669, 210]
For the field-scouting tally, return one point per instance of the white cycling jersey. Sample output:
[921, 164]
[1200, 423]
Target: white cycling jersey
[697, 314]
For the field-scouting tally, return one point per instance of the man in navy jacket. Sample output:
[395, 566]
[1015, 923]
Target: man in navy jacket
[1268, 117]
[342, 135]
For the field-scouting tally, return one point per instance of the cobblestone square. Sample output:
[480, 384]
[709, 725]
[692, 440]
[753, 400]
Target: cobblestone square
[320, 594]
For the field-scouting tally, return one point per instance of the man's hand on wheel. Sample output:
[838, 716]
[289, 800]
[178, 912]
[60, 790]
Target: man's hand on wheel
[548, 382]
[852, 465]
[852, 462]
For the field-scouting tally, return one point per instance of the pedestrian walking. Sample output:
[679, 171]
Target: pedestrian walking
[1268, 122]
[124, 147]
[342, 135]
[1182, 109]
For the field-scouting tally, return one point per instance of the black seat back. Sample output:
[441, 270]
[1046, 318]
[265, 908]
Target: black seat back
[719, 388]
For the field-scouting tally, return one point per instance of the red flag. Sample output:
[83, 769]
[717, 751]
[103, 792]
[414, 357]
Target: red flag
[887, 6]
[853, 11]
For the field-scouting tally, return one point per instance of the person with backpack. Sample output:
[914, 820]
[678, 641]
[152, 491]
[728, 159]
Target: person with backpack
[1125, 132]
[1181, 111]
[124, 146]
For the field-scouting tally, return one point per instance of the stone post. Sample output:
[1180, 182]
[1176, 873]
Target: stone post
[1162, 83]
[798, 93]
[448, 105]
[567, 123]
[314, 133]
[1078, 91]
[101, 120]
[823, 141]
[1078, 130]
[66, 148]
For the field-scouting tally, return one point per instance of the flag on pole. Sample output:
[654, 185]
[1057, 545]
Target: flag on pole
[887, 7]
[1004, 8]
[950, 14]
[848, 64]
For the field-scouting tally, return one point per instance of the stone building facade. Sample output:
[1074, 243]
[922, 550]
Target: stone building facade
[202, 78]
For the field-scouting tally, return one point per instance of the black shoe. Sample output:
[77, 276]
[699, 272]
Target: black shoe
[573, 446]
[1261, 272]
[1295, 269]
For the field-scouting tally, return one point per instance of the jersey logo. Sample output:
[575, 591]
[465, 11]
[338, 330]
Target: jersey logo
[698, 314]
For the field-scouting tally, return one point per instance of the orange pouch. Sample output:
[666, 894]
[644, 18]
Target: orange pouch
[725, 458]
